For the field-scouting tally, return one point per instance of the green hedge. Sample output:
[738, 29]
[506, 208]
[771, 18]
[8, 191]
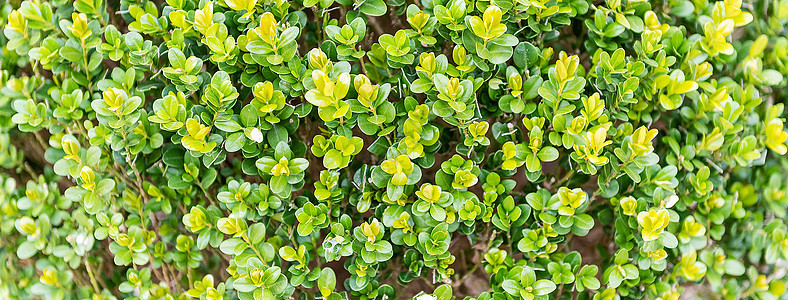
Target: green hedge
[371, 149]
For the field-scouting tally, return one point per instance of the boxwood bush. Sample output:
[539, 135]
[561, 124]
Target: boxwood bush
[371, 149]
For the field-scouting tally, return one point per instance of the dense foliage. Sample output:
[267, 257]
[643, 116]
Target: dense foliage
[371, 149]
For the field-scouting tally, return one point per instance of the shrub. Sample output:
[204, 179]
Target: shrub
[362, 149]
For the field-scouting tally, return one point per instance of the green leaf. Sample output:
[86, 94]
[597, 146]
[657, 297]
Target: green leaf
[332, 159]
[256, 233]
[235, 142]
[771, 77]
[734, 267]
[71, 51]
[276, 135]
[548, 154]
[326, 282]
[373, 8]
[26, 250]
[525, 55]
[443, 292]
[584, 221]
[543, 287]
